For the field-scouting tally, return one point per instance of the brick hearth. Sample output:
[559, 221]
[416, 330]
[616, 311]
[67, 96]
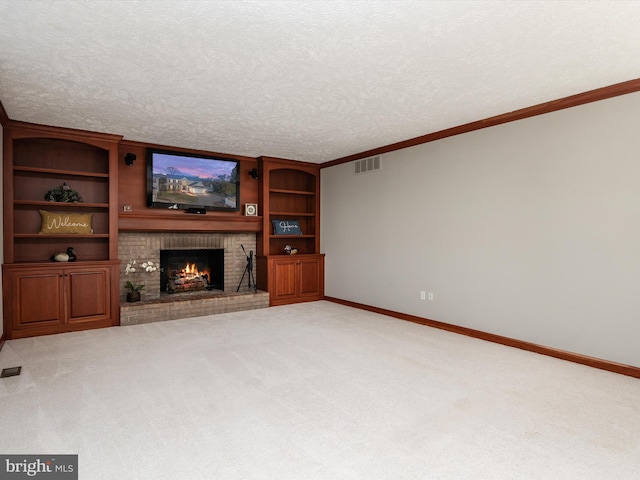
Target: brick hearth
[187, 305]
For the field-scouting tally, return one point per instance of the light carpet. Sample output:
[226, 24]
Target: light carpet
[313, 391]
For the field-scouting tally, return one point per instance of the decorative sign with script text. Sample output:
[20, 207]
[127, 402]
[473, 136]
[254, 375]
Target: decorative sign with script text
[286, 227]
[65, 222]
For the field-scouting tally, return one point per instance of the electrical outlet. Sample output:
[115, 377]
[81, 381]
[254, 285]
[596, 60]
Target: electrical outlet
[422, 295]
[431, 296]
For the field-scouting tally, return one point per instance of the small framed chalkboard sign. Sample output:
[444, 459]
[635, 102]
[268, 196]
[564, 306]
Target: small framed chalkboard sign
[286, 227]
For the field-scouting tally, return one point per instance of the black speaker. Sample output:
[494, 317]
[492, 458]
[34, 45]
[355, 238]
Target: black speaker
[129, 158]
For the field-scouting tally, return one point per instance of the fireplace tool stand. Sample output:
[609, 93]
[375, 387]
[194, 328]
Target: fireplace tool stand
[248, 269]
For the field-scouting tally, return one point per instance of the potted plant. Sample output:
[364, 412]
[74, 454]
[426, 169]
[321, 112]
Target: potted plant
[136, 284]
[63, 193]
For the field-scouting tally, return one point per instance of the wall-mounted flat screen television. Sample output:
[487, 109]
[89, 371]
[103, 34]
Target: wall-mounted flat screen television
[181, 181]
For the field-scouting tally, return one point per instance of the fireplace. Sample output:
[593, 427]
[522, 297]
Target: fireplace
[156, 306]
[191, 270]
[148, 245]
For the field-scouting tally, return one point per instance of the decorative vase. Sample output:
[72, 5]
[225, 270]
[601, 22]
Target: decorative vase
[133, 297]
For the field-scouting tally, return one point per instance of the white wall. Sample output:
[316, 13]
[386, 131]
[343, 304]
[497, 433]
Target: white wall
[529, 230]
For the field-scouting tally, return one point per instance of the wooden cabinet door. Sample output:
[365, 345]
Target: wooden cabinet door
[310, 280]
[55, 299]
[284, 279]
[88, 294]
[37, 298]
[296, 278]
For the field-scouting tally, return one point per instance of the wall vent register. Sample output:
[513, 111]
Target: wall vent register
[366, 165]
[10, 372]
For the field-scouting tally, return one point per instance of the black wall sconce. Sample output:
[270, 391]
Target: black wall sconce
[129, 158]
[253, 173]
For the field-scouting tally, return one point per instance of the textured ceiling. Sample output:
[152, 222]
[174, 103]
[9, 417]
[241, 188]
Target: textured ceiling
[312, 80]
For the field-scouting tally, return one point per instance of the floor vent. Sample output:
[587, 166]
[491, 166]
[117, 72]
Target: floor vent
[367, 165]
[10, 372]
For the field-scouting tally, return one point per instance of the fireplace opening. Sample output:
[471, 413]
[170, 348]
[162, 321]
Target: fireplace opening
[191, 270]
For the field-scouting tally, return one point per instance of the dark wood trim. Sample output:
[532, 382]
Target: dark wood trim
[4, 118]
[134, 144]
[184, 222]
[25, 129]
[2, 339]
[540, 109]
[286, 162]
[510, 342]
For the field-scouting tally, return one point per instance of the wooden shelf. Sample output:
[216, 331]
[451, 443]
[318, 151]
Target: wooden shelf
[45, 236]
[57, 171]
[44, 297]
[292, 236]
[292, 214]
[59, 205]
[35, 161]
[291, 192]
[59, 264]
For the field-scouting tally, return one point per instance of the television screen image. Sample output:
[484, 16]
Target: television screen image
[182, 181]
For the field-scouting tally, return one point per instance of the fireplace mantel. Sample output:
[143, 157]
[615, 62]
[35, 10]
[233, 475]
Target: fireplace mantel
[184, 222]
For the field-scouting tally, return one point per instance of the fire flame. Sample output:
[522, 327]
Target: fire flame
[191, 272]
[191, 269]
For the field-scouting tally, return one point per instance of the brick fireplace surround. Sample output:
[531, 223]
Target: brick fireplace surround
[156, 307]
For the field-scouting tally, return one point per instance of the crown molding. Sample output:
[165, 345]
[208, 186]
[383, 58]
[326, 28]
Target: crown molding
[540, 109]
